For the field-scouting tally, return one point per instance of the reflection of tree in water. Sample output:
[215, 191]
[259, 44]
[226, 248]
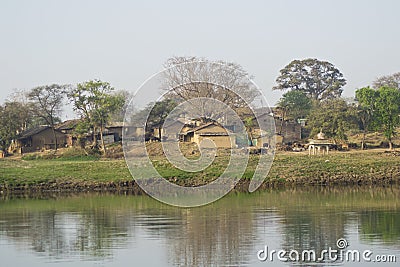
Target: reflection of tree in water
[312, 230]
[379, 222]
[64, 234]
[101, 230]
[223, 233]
[215, 235]
[381, 226]
[317, 217]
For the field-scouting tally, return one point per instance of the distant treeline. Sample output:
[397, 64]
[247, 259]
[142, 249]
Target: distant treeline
[313, 90]
[313, 94]
[95, 102]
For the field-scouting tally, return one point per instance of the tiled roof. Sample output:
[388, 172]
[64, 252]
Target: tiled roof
[205, 126]
[67, 125]
[33, 131]
[115, 124]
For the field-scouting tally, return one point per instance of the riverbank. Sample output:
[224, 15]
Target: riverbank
[370, 167]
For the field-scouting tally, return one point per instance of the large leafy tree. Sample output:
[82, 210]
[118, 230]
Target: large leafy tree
[388, 111]
[47, 103]
[119, 114]
[293, 105]
[366, 110]
[319, 80]
[95, 102]
[334, 117]
[392, 80]
[158, 115]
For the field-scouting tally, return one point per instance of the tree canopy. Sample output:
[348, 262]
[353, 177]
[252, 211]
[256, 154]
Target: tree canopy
[388, 111]
[47, 103]
[320, 80]
[334, 117]
[295, 105]
[366, 110]
[392, 81]
[190, 77]
[95, 103]
[15, 117]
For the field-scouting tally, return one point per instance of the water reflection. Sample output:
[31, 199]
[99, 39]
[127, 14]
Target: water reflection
[380, 226]
[94, 227]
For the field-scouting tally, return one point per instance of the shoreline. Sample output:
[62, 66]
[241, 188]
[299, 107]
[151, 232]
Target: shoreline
[290, 169]
[131, 187]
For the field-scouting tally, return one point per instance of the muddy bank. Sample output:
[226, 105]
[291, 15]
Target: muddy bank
[131, 187]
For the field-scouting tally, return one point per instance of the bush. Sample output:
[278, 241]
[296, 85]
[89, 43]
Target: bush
[77, 154]
[30, 157]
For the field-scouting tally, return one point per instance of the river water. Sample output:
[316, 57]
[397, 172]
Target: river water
[238, 230]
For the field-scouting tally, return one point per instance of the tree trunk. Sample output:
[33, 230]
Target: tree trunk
[55, 138]
[103, 146]
[363, 140]
[390, 145]
[94, 144]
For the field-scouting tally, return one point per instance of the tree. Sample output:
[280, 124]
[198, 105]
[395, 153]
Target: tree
[47, 103]
[119, 114]
[80, 132]
[8, 128]
[388, 111]
[19, 102]
[95, 103]
[388, 81]
[334, 117]
[319, 80]
[366, 110]
[15, 117]
[158, 114]
[294, 105]
[190, 77]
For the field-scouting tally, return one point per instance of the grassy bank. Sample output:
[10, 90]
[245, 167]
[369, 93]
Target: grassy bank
[88, 173]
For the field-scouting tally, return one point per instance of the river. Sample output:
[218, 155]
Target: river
[98, 229]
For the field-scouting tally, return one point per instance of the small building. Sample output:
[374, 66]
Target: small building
[321, 144]
[133, 132]
[115, 129]
[264, 139]
[68, 128]
[172, 130]
[213, 131]
[39, 138]
[286, 131]
[112, 132]
[289, 130]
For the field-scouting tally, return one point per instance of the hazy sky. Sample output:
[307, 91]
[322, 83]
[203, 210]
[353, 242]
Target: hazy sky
[124, 42]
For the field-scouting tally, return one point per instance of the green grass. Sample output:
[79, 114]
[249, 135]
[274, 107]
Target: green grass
[286, 167]
[16, 172]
